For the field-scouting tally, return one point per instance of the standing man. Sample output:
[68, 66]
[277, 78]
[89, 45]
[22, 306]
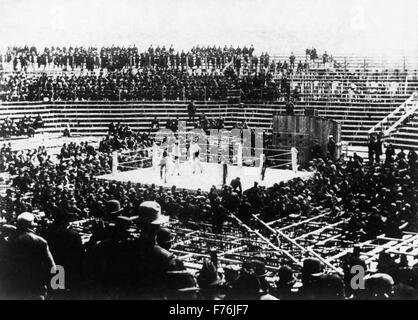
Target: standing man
[163, 166]
[176, 155]
[224, 172]
[390, 153]
[155, 125]
[371, 146]
[331, 147]
[191, 109]
[263, 166]
[378, 147]
[292, 59]
[30, 261]
[194, 156]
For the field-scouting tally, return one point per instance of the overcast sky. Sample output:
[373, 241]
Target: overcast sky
[362, 27]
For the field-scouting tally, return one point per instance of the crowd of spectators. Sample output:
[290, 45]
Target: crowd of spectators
[25, 126]
[202, 73]
[117, 57]
[123, 73]
[130, 84]
[130, 256]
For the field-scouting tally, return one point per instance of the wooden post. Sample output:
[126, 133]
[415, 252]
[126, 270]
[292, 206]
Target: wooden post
[114, 162]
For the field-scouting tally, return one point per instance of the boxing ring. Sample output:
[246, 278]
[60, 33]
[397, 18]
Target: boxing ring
[250, 164]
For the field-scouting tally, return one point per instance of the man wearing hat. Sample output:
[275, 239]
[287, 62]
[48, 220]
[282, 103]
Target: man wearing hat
[285, 283]
[30, 260]
[258, 268]
[66, 247]
[164, 238]
[181, 285]
[113, 209]
[209, 282]
[332, 147]
[312, 269]
[379, 286]
[152, 261]
[112, 262]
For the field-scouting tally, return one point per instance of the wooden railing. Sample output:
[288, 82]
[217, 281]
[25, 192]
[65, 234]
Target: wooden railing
[389, 124]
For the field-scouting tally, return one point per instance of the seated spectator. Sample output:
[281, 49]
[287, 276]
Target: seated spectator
[285, 283]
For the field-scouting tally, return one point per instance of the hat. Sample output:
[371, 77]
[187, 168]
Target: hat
[312, 267]
[150, 213]
[379, 283]
[286, 276]
[257, 266]
[123, 221]
[247, 283]
[113, 206]
[181, 281]
[208, 276]
[330, 287]
[25, 220]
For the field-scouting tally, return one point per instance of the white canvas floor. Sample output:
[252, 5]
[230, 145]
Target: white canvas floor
[212, 175]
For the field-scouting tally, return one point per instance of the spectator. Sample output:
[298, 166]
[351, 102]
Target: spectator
[30, 261]
[332, 147]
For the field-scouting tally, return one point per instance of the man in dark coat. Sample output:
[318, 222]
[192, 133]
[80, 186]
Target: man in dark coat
[390, 153]
[378, 148]
[191, 109]
[152, 261]
[316, 150]
[371, 147]
[30, 261]
[67, 248]
[331, 147]
[236, 185]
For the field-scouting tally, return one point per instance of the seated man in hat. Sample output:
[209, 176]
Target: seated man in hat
[258, 268]
[164, 238]
[285, 283]
[312, 269]
[107, 216]
[181, 285]
[209, 282]
[111, 266]
[378, 286]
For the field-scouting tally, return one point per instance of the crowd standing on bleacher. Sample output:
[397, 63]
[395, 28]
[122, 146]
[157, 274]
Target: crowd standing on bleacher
[116, 262]
[203, 73]
[123, 73]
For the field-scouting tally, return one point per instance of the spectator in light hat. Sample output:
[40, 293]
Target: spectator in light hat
[378, 286]
[149, 213]
[153, 260]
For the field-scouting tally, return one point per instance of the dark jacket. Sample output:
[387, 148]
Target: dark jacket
[30, 264]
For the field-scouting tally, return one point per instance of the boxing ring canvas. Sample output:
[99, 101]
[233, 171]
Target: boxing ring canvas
[211, 176]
